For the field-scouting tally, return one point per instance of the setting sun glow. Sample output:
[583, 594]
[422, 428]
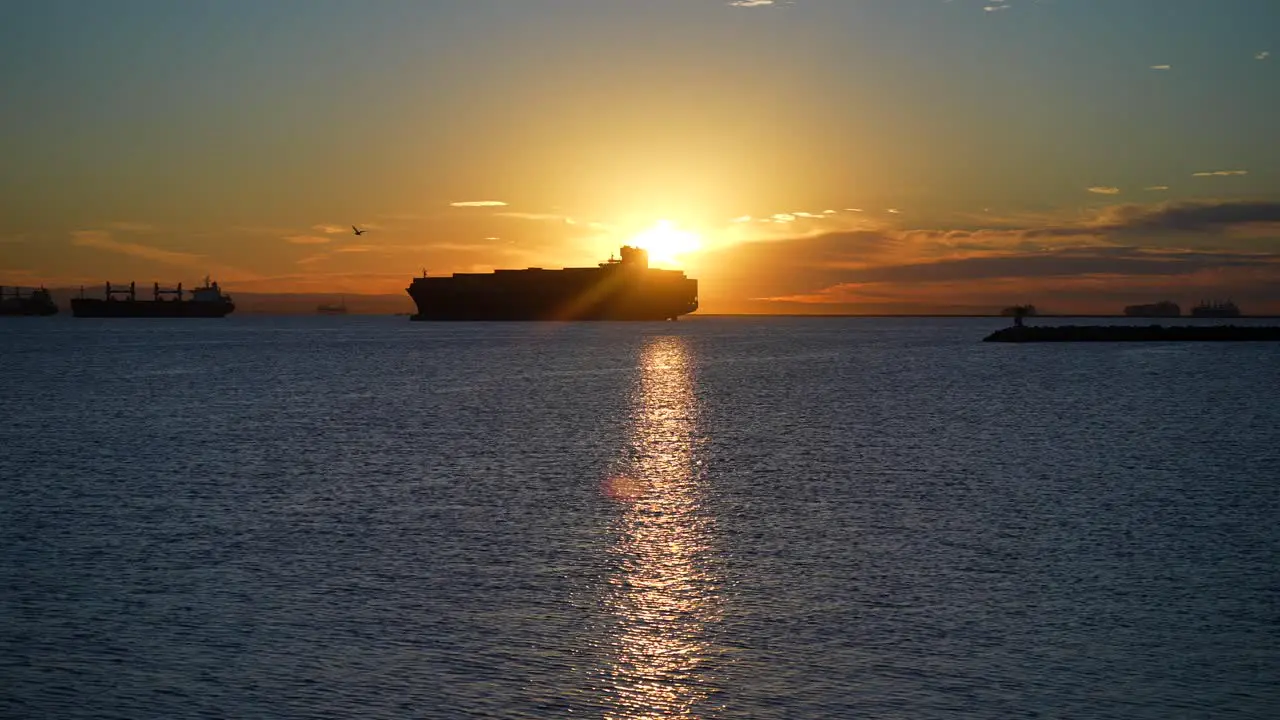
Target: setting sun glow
[744, 143]
[666, 242]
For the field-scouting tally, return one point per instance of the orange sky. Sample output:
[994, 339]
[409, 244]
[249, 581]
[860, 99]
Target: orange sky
[821, 260]
[819, 156]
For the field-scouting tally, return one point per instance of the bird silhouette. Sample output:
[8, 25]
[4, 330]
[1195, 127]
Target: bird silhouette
[358, 231]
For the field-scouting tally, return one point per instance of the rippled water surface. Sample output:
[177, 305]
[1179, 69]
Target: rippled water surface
[717, 518]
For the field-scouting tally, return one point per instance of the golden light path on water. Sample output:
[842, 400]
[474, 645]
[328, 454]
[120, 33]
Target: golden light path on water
[664, 597]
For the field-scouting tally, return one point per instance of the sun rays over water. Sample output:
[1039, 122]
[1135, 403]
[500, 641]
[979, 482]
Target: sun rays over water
[664, 595]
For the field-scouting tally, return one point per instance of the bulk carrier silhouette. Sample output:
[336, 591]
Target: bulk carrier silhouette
[623, 289]
[35, 301]
[207, 301]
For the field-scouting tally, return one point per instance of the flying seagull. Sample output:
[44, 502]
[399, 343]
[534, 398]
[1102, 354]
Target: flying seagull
[358, 231]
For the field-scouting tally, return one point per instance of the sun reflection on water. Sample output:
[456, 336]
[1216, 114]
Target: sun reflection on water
[664, 596]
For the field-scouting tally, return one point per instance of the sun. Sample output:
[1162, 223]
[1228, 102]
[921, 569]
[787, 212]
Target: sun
[666, 242]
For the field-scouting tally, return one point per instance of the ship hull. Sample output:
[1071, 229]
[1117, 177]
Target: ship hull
[443, 307]
[472, 316]
[28, 310]
[98, 308]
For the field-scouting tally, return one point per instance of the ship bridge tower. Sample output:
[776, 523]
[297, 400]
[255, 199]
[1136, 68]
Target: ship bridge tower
[634, 257]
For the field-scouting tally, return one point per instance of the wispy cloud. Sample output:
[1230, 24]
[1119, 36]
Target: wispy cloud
[1105, 190]
[751, 3]
[102, 240]
[261, 230]
[995, 7]
[1262, 55]
[306, 239]
[479, 203]
[1107, 253]
[1189, 216]
[131, 226]
[332, 253]
[1161, 67]
[23, 277]
[537, 216]
[1220, 173]
[330, 229]
[1156, 188]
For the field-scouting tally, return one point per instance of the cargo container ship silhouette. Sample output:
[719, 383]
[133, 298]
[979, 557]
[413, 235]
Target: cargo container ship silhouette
[620, 289]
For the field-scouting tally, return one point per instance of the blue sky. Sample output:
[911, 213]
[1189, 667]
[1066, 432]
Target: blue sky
[224, 128]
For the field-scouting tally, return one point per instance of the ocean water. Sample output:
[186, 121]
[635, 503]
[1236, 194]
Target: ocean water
[716, 518]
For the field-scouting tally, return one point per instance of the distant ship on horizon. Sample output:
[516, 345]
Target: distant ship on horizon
[1216, 310]
[1164, 308]
[622, 289]
[36, 301]
[330, 309]
[207, 301]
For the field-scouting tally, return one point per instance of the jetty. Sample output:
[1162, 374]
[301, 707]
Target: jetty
[1133, 333]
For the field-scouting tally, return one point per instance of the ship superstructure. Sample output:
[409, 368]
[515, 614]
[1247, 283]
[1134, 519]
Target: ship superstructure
[621, 289]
